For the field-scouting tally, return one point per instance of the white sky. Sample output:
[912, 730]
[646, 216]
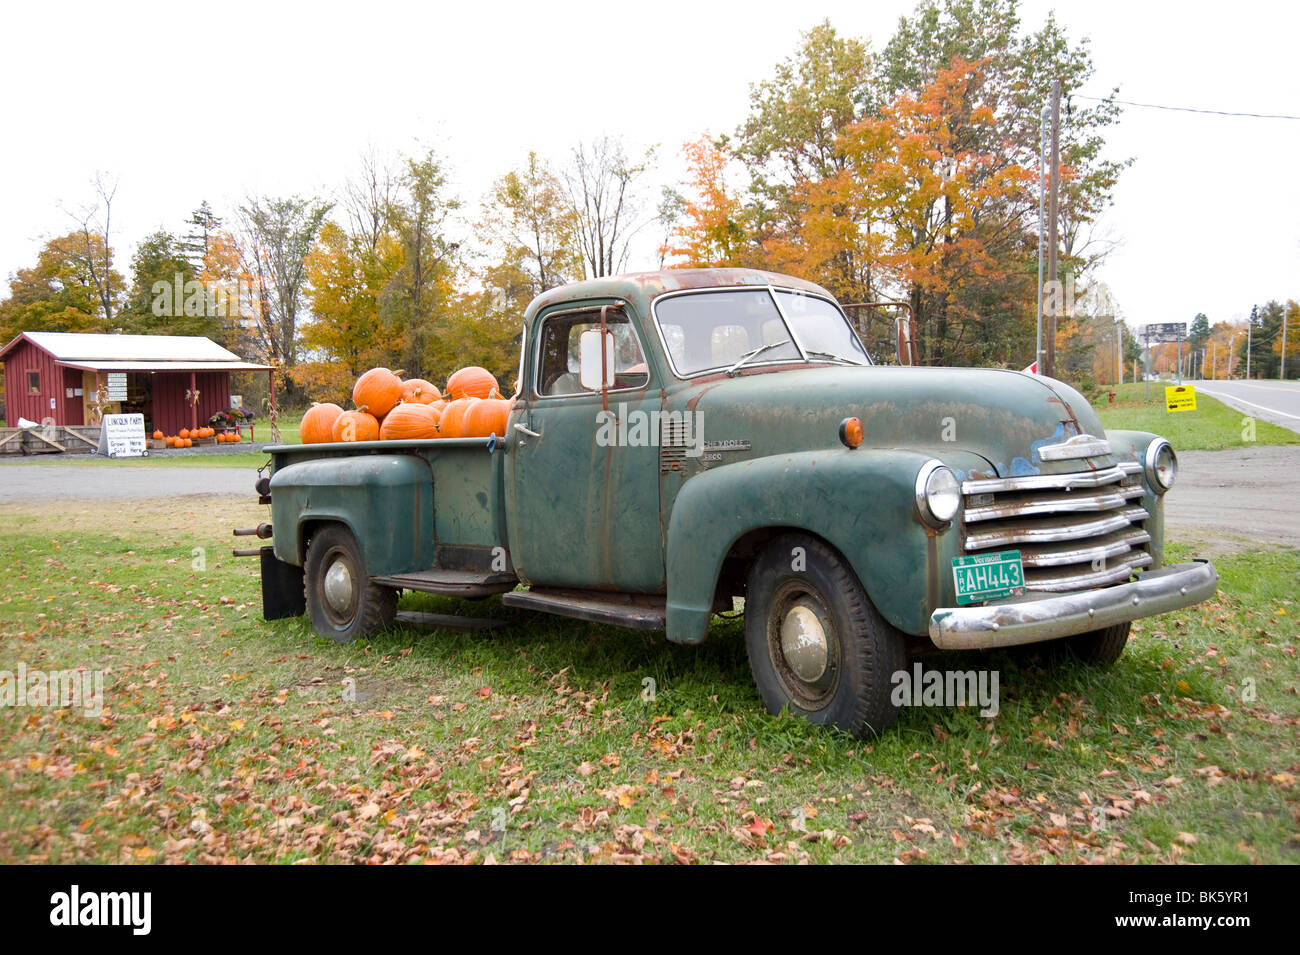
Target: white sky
[181, 104]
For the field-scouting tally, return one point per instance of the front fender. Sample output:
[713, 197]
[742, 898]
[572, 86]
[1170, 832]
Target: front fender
[861, 502]
[386, 500]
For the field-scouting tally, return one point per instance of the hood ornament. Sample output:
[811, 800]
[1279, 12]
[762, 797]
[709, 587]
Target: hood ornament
[1080, 446]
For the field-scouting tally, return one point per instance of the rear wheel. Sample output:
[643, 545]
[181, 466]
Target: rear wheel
[816, 644]
[342, 601]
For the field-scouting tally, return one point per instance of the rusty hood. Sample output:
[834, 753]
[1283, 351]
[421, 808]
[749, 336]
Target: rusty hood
[1003, 417]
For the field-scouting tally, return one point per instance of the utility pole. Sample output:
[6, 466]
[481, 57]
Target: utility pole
[1214, 360]
[1281, 374]
[1053, 277]
[1119, 351]
[1248, 331]
[1232, 340]
[1042, 193]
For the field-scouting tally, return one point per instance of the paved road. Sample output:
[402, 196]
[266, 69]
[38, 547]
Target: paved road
[1275, 401]
[44, 482]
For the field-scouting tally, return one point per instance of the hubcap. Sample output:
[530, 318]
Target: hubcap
[339, 587]
[804, 644]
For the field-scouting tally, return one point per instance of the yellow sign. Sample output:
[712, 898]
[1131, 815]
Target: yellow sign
[1180, 398]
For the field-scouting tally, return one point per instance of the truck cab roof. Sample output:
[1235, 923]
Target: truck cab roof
[641, 288]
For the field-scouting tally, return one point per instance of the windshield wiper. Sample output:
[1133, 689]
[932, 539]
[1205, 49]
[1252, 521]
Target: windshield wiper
[830, 357]
[734, 369]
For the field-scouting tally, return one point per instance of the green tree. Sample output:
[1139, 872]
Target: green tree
[416, 299]
[62, 293]
[166, 295]
[532, 228]
[280, 233]
[197, 243]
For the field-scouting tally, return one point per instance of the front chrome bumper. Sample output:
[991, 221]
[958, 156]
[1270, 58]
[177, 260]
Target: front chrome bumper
[1047, 618]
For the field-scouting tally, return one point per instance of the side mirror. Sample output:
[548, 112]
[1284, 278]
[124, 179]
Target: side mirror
[902, 331]
[589, 353]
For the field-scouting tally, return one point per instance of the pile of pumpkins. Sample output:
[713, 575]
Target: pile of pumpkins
[185, 438]
[390, 409]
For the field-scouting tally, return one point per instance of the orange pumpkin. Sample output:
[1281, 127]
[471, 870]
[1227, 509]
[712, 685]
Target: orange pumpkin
[452, 422]
[158, 436]
[171, 442]
[472, 382]
[409, 420]
[378, 390]
[418, 390]
[357, 425]
[317, 426]
[239, 437]
[486, 417]
[183, 433]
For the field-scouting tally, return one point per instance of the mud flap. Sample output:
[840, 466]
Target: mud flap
[282, 593]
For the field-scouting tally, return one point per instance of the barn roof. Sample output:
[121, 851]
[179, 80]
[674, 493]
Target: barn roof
[96, 352]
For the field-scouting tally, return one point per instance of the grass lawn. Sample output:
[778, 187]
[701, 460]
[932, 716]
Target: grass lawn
[1213, 426]
[224, 737]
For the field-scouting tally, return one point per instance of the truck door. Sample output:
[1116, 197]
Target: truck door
[583, 495]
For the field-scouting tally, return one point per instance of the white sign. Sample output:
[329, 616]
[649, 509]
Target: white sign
[122, 436]
[117, 386]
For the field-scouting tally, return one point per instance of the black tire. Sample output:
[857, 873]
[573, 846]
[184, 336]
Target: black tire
[1098, 647]
[370, 607]
[862, 651]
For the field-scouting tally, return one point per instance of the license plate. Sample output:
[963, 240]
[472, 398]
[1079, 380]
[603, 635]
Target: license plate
[988, 576]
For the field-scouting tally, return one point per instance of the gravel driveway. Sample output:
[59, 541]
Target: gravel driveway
[20, 483]
[1226, 500]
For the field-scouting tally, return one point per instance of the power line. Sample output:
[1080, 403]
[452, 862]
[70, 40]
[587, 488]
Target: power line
[1185, 109]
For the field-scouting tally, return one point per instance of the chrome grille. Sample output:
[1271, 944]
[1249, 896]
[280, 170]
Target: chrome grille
[1073, 531]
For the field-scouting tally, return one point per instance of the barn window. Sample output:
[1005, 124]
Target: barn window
[33, 382]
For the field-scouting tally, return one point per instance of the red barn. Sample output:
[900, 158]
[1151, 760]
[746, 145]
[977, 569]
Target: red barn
[55, 375]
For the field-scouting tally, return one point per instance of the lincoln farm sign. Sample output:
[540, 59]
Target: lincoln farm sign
[122, 436]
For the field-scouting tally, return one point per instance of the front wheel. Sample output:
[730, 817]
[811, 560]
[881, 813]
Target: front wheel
[1099, 647]
[816, 644]
[342, 601]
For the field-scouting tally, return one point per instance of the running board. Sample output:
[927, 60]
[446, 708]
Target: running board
[452, 583]
[638, 611]
[444, 621]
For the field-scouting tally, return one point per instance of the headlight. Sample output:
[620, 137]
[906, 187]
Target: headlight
[938, 493]
[1161, 465]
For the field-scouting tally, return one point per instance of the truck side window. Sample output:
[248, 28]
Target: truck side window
[557, 360]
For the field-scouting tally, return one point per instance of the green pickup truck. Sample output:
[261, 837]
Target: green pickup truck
[687, 437]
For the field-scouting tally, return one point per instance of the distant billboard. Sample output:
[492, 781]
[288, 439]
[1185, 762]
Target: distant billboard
[1166, 332]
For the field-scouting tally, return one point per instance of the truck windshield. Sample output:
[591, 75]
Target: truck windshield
[709, 330]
